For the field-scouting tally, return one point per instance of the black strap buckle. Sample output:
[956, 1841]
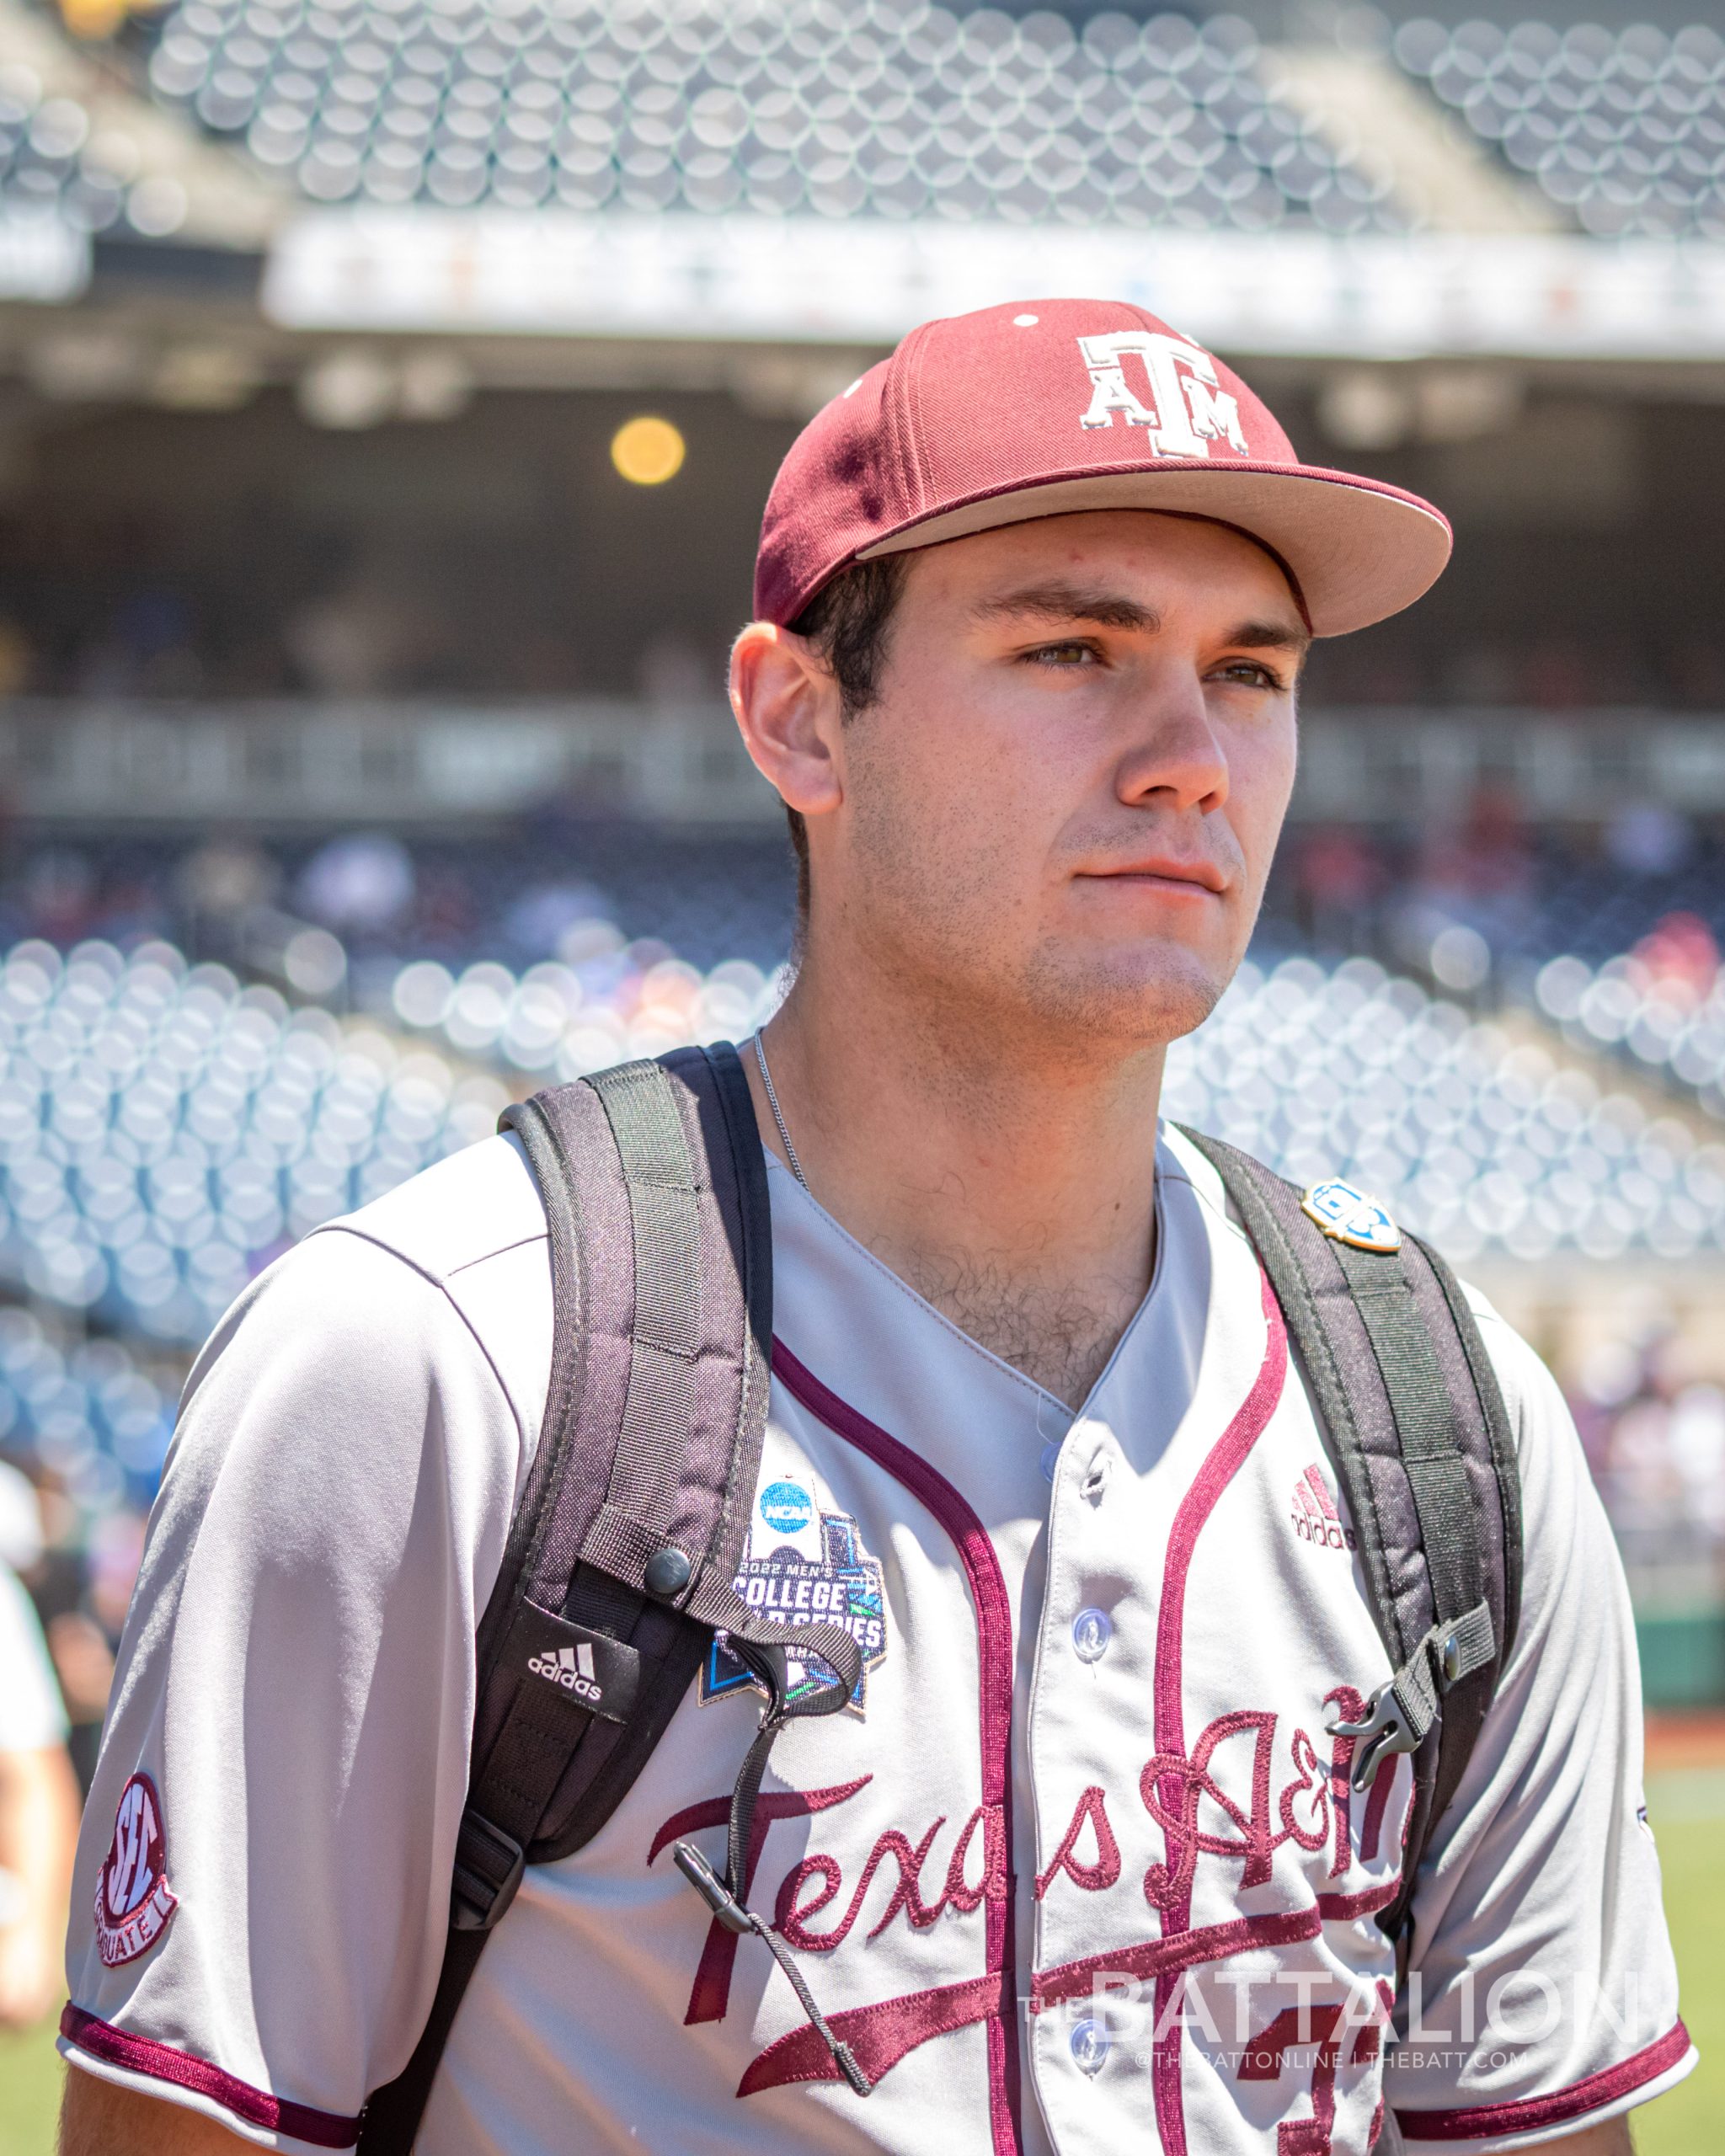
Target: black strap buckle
[1387, 1726]
[488, 1866]
[1400, 1712]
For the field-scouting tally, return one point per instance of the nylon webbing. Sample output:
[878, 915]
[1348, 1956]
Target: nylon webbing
[659, 1178]
[1425, 1422]
[1384, 1356]
[520, 1780]
[1241, 1177]
[1441, 1487]
[622, 1448]
[1489, 1395]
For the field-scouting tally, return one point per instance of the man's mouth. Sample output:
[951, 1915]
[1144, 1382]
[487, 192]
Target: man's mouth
[1191, 879]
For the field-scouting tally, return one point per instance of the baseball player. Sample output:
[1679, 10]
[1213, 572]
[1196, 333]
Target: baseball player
[1080, 1867]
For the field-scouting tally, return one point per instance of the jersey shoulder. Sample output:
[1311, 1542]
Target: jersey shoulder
[400, 1295]
[480, 1203]
[1178, 1161]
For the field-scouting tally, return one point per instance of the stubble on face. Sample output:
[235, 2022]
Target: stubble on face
[983, 794]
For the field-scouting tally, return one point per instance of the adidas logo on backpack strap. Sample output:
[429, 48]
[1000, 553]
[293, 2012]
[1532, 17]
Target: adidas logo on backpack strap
[573, 1669]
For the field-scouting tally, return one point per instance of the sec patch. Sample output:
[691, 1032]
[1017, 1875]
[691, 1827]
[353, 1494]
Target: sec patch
[134, 1901]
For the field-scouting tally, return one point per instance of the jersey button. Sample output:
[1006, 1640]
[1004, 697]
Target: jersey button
[1091, 1631]
[1090, 2047]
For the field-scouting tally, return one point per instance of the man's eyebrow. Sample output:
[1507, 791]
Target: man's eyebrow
[1270, 636]
[1070, 602]
[1113, 610]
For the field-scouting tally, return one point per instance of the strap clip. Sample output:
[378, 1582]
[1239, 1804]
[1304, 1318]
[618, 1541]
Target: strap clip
[1404, 1707]
[488, 1866]
[1388, 1727]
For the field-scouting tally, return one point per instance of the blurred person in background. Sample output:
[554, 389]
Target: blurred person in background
[39, 1795]
[78, 1577]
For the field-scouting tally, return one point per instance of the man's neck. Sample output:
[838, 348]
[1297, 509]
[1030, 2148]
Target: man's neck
[1014, 1193]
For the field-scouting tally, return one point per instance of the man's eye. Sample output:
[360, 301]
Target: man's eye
[1249, 673]
[1062, 654]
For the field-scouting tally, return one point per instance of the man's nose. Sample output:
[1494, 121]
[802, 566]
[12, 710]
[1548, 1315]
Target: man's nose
[1175, 755]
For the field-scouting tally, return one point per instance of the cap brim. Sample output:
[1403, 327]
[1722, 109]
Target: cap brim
[1358, 550]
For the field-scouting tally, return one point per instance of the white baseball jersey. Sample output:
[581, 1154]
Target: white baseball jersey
[1079, 1868]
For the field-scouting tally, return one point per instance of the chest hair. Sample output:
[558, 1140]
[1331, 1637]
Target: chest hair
[1059, 1336]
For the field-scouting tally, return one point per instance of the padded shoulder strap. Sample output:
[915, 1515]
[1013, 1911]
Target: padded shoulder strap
[656, 1206]
[621, 1558]
[1416, 1427]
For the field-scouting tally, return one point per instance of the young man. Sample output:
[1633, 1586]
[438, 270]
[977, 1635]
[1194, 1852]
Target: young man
[1080, 1864]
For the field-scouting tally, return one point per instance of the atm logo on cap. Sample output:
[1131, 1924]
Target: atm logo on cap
[1187, 409]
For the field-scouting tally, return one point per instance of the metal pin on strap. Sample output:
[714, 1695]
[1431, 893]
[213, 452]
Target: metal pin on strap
[712, 1889]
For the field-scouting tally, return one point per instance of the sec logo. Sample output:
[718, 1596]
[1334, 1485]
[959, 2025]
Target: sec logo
[134, 1901]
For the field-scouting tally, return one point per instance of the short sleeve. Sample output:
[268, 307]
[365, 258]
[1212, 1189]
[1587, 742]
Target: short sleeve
[31, 1715]
[1542, 1994]
[263, 1877]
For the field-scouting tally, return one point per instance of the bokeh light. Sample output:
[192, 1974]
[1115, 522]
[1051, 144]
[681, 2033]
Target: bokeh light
[647, 451]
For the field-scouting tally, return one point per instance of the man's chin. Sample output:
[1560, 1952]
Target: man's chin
[1136, 997]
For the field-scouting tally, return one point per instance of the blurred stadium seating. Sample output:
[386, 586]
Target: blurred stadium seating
[1624, 127]
[167, 1129]
[891, 108]
[164, 1130]
[900, 110]
[87, 1414]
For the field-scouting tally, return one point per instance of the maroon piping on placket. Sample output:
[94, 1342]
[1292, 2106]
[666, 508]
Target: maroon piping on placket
[995, 1999]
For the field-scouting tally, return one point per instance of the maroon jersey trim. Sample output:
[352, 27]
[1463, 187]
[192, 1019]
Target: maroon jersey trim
[161, 2063]
[1481, 2121]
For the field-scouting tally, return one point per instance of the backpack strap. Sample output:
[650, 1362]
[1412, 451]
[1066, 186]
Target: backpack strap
[619, 1567]
[1414, 1422]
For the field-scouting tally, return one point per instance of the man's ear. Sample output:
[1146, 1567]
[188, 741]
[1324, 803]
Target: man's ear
[786, 704]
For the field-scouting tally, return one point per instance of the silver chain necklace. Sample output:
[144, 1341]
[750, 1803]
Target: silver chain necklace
[778, 1115]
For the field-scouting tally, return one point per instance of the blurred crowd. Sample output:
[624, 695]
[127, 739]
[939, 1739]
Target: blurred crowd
[1519, 895]
[374, 637]
[521, 894]
[1655, 1439]
[370, 638]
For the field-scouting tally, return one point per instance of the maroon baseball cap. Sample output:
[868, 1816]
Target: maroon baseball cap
[1055, 405]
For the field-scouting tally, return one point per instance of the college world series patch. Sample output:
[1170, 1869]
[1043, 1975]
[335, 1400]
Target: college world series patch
[804, 1566]
[134, 1900]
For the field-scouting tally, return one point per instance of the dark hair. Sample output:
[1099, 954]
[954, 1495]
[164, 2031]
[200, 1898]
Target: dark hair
[847, 622]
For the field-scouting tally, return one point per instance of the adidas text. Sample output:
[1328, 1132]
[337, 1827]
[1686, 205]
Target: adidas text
[1327, 1533]
[571, 1668]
